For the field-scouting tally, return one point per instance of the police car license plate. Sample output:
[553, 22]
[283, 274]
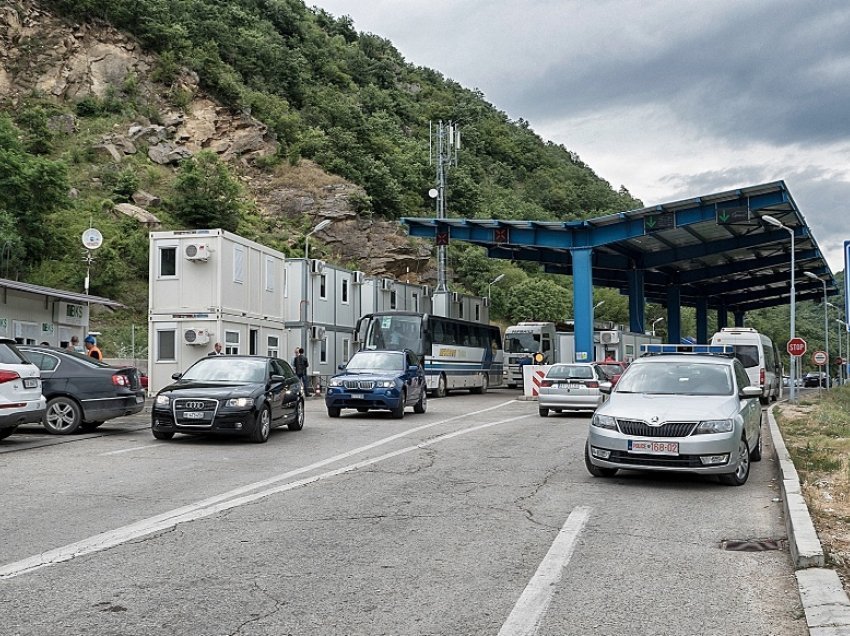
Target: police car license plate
[647, 447]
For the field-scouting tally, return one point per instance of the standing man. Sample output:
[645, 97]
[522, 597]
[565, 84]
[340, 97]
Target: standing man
[301, 364]
[216, 350]
[74, 345]
[92, 349]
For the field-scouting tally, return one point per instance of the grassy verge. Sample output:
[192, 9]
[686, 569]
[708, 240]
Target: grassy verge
[817, 434]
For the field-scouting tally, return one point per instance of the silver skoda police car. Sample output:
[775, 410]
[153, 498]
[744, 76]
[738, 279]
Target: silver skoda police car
[679, 408]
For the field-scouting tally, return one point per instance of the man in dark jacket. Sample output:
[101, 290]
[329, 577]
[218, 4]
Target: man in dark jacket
[301, 364]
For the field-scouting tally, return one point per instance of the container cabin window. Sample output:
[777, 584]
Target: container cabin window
[323, 351]
[393, 300]
[166, 345]
[238, 264]
[323, 286]
[273, 347]
[231, 343]
[270, 274]
[415, 299]
[168, 262]
[344, 291]
[460, 310]
[346, 349]
[477, 312]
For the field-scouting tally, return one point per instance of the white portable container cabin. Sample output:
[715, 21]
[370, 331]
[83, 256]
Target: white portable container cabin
[209, 286]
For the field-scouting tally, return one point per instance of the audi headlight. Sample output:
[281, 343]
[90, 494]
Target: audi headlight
[604, 421]
[335, 382]
[714, 426]
[163, 400]
[240, 403]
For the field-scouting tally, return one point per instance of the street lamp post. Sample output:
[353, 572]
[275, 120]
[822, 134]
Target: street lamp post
[493, 282]
[657, 320]
[825, 321]
[777, 223]
[321, 226]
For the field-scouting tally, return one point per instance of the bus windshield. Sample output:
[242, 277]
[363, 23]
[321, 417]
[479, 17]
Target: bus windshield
[395, 332]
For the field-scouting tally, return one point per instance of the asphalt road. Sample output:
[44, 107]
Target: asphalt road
[477, 517]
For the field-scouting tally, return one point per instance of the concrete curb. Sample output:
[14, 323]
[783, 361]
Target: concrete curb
[824, 600]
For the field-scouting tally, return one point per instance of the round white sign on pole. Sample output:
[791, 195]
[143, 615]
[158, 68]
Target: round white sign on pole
[92, 239]
[819, 358]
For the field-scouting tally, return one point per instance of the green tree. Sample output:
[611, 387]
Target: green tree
[206, 194]
[537, 299]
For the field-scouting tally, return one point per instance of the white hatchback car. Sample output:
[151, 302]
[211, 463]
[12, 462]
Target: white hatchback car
[678, 412]
[21, 401]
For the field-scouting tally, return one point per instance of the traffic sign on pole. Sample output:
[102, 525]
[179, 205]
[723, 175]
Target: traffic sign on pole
[796, 346]
[819, 358]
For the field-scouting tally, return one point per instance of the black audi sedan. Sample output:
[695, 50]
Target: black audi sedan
[230, 395]
[81, 392]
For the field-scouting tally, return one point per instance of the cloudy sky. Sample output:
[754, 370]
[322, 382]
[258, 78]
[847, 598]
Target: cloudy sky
[671, 99]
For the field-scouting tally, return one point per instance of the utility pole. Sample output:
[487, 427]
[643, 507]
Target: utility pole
[444, 146]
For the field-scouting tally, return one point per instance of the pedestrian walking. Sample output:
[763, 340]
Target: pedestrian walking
[92, 349]
[300, 363]
[216, 350]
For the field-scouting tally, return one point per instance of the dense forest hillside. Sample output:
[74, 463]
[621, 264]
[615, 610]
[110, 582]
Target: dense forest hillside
[261, 117]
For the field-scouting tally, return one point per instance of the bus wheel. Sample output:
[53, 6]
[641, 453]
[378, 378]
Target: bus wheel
[441, 387]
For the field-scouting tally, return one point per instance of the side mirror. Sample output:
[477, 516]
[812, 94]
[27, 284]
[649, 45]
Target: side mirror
[749, 392]
[176, 376]
[605, 387]
[277, 378]
[413, 368]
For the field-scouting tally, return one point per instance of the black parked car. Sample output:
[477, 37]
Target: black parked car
[81, 392]
[378, 380]
[814, 378]
[230, 395]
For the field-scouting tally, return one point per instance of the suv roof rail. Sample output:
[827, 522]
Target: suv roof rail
[704, 349]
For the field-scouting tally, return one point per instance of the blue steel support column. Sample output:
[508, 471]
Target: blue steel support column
[583, 303]
[702, 320]
[739, 318]
[674, 314]
[722, 318]
[637, 302]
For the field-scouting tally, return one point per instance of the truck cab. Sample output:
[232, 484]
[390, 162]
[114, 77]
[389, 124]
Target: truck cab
[522, 342]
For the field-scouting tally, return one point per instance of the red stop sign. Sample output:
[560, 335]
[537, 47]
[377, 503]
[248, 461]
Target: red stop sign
[796, 346]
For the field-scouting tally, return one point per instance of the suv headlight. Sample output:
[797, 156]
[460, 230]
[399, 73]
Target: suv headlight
[714, 426]
[163, 400]
[604, 421]
[335, 382]
[240, 403]
[385, 384]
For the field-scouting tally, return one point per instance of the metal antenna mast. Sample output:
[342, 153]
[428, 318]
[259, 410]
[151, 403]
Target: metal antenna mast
[444, 146]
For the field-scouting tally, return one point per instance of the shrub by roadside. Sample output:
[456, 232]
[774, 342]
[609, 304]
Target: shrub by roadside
[817, 434]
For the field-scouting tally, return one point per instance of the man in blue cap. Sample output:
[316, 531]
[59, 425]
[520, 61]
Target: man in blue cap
[91, 348]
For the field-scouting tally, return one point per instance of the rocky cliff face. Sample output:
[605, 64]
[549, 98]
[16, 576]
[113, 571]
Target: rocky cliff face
[41, 54]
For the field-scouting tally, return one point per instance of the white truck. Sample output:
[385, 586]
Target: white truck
[556, 343]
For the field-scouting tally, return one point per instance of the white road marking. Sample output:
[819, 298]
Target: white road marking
[524, 619]
[233, 498]
[129, 450]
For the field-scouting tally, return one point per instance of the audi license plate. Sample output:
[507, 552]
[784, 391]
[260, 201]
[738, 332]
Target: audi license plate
[193, 415]
[646, 447]
[30, 383]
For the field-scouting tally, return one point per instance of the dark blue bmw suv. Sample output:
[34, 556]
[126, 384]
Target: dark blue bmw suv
[378, 380]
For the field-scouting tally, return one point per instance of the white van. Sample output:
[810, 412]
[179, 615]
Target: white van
[759, 356]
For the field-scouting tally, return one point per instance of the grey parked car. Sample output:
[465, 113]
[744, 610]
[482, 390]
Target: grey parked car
[571, 387]
[678, 412]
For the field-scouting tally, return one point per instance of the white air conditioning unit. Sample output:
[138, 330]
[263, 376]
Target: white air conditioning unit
[455, 297]
[426, 290]
[317, 333]
[196, 336]
[386, 284]
[317, 266]
[196, 251]
[609, 337]
[358, 278]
